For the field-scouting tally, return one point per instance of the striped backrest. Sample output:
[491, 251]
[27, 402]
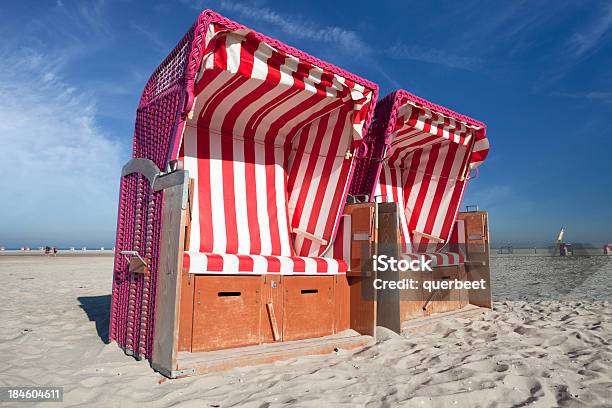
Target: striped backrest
[267, 142]
[426, 168]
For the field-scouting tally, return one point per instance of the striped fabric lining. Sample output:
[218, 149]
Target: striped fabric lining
[266, 141]
[437, 258]
[426, 170]
[434, 126]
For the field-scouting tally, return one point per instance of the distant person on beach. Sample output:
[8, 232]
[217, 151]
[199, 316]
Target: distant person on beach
[54, 251]
[47, 250]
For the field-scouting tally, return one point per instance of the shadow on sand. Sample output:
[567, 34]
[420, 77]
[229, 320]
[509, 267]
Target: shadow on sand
[98, 310]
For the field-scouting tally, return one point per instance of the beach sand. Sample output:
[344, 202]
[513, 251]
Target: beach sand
[545, 344]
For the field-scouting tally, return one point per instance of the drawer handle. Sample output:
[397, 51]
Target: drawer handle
[228, 294]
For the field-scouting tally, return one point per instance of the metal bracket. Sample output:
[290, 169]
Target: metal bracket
[159, 180]
[143, 166]
[136, 263]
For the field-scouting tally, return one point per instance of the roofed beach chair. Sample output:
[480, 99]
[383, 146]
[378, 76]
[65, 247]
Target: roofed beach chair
[420, 156]
[240, 240]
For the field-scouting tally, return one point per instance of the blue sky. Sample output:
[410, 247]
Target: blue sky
[537, 73]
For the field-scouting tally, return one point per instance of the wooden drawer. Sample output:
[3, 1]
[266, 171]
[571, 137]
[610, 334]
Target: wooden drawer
[308, 307]
[226, 311]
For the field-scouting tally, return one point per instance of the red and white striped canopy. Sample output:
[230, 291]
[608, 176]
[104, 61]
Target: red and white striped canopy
[269, 140]
[430, 153]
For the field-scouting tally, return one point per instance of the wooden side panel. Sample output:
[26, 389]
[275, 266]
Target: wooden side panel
[363, 304]
[478, 263]
[227, 311]
[341, 304]
[388, 312]
[445, 300]
[187, 284]
[363, 235]
[464, 295]
[308, 307]
[167, 308]
[362, 313]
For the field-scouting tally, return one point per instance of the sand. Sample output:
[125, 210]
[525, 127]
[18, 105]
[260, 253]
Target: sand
[538, 349]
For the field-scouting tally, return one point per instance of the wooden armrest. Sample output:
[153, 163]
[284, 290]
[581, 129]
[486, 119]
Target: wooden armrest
[310, 236]
[429, 237]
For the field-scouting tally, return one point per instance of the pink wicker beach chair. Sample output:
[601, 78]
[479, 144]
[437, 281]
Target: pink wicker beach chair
[414, 167]
[267, 135]
[420, 156]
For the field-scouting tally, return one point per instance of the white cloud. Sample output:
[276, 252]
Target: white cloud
[159, 44]
[60, 173]
[347, 41]
[590, 96]
[434, 56]
[585, 40]
[298, 27]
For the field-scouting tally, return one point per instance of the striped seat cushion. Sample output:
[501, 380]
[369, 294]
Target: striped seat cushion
[206, 263]
[200, 263]
[437, 258]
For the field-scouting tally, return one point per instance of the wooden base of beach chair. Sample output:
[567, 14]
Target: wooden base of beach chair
[225, 311]
[197, 363]
[213, 322]
[424, 324]
[395, 307]
[420, 302]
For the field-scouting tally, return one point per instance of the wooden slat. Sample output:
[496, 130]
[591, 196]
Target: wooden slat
[272, 293]
[273, 323]
[189, 213]
[186, 311]
[187, 284]
[387, 300]
[342, 303]
[362, 311]
[167, 309]
[205, 362]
